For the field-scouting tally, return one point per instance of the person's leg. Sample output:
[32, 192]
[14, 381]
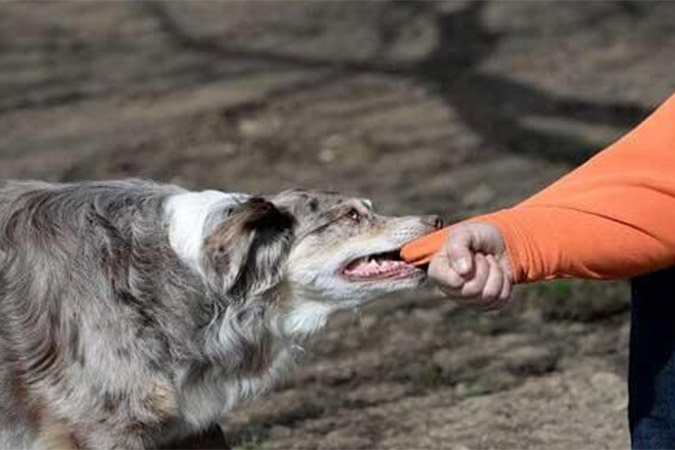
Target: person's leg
[651, 374]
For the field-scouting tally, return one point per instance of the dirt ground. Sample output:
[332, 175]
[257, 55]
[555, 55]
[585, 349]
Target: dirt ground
[457, 108]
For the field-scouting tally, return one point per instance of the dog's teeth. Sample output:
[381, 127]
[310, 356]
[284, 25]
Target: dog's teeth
[381, 264]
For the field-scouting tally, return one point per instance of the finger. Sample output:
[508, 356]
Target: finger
[458, 249]
[495, 279]
[503, 297]
[506, 290]
[443, 275]
[475, 285]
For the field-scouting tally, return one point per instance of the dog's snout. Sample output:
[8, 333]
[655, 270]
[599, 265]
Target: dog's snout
[433, 221]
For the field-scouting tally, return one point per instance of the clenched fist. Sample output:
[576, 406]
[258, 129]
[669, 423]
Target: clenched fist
[473, 267]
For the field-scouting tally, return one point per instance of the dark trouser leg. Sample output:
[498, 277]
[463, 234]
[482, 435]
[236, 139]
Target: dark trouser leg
[651, 377]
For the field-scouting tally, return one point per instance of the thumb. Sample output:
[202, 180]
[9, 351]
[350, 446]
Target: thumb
[459, 251]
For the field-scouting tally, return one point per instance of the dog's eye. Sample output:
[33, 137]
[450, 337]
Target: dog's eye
[354, 215]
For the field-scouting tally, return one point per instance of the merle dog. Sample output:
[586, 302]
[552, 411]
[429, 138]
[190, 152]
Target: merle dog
[134, 313]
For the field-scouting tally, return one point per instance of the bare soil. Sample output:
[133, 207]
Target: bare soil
[457, 108]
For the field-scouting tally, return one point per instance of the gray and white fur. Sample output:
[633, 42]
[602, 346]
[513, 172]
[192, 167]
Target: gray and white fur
[135, 313]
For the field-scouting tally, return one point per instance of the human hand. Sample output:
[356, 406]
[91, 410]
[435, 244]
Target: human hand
[473, 267]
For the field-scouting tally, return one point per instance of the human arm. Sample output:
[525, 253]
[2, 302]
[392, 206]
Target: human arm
[612, 217]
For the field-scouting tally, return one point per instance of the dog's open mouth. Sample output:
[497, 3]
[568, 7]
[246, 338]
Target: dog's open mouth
[379, 266]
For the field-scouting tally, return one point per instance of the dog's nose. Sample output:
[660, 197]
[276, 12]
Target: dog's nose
[433, 221]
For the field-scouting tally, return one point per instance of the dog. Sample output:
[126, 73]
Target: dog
[134, 313]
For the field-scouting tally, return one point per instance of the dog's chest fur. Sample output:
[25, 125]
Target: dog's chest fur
[204, 402]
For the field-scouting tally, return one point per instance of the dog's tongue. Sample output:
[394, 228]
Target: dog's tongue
[365, 269]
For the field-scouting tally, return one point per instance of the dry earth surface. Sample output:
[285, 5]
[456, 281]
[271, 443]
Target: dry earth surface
[457, 107]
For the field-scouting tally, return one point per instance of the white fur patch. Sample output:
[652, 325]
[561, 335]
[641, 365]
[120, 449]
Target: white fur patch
[187, 214]
[305, 319]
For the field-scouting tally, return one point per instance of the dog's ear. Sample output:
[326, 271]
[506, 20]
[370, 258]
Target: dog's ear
[246, 251]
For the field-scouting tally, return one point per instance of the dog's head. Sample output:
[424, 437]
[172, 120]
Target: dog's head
[312, 252]
[345, 254]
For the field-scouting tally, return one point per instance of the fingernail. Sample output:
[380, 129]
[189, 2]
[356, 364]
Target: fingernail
[462, 265]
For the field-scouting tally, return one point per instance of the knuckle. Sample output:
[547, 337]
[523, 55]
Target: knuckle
[458, 250]
[459, 238]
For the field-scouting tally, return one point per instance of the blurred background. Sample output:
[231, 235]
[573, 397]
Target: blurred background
[455, 108]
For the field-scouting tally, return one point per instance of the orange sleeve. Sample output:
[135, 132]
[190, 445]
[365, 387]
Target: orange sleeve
[612, 217]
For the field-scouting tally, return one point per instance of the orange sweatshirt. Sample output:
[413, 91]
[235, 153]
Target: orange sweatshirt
[612, 217]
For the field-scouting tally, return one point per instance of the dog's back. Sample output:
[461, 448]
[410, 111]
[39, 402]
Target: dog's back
[60, 245]
[14, 414]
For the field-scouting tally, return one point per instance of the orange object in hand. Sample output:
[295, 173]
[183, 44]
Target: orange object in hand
[421, 251]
